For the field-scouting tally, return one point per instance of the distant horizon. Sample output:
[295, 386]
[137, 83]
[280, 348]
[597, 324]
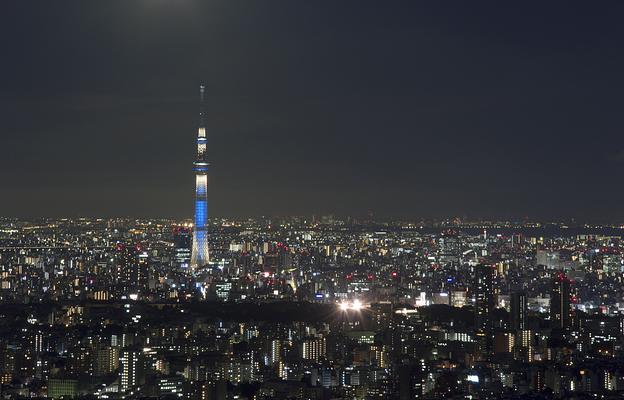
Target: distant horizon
[341, 218]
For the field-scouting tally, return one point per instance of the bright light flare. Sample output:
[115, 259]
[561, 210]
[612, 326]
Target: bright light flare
[356, 305]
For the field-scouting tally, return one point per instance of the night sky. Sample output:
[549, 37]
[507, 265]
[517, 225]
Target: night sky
[407, 109]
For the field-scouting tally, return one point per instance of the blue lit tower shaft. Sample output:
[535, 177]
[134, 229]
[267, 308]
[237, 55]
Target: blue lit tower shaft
[199, 254]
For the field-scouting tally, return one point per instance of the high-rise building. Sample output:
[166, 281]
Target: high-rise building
[199, 254]
[275, 350]
[132, 371]
[519, 309]
[313, 349]
[107, 360]
[483, 289]
[182, 239]
[216, 390]
[560, 315]
[484, 297]
[131, 268]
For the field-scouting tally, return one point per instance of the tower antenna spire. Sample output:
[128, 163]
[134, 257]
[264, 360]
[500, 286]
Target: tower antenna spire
[201, 105]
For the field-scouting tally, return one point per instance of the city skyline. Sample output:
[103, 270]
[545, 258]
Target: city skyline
[409, 111]
[392, 200]
[112, 309]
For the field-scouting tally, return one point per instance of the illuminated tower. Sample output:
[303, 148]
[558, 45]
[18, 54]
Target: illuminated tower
[199, 254]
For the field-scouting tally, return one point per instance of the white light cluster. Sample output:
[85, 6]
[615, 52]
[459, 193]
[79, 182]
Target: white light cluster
[356, 305]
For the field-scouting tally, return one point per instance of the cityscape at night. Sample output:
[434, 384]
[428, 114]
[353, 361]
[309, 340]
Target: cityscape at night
[297, 200]
[312, 308]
